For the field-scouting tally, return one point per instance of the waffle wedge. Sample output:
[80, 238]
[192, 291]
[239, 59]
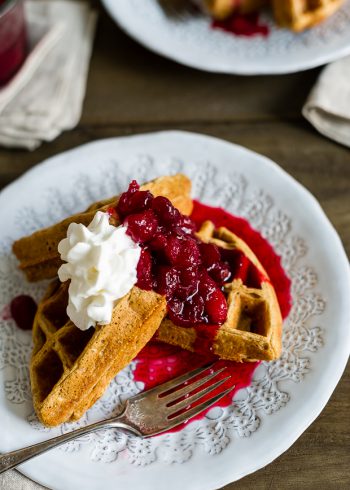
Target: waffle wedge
[298, 15]
[70, 368]
[253, 329]
[221, 9]
[38, 255]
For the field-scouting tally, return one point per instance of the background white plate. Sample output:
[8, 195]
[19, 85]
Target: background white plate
[285, 396]
[192, 42]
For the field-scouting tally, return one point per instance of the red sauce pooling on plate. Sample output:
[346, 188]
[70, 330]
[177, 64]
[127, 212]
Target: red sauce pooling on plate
[242, 25]
[158, 362]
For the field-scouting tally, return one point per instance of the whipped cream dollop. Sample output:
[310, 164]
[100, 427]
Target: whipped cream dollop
[102, 267]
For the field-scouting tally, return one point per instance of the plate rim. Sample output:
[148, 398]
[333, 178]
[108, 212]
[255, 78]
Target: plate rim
[149, 43]
[342, 359]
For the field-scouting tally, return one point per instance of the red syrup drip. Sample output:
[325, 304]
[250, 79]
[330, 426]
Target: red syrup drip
[246, 25]
[22, 310]
[159, 362]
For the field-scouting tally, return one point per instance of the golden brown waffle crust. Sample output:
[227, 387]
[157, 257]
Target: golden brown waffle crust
[296, 15]
[221, 9]
[70, 369]
[232, 341]
[38, 255]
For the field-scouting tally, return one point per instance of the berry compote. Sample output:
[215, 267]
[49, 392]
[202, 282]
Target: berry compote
[173, 261]
[247, 25]
[159, 362]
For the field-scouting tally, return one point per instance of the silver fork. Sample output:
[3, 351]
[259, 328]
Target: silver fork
[146, 414]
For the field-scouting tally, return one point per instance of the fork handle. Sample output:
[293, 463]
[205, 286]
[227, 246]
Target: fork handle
[15, 458]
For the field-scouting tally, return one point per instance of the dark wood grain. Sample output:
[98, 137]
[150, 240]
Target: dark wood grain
[131, 90]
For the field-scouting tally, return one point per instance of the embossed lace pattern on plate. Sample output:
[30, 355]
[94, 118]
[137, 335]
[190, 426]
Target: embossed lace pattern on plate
[189, 39]
[221, 426]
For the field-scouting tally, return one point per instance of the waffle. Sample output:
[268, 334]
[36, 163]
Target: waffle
[301, 14]
[296, 15]
[70, 368]
[38, 255]
[253, 328]
[221, 9]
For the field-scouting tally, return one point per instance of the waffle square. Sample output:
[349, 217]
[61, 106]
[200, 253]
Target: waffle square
[253, 329]
[296, 15]
[70, 368]
[302, 14]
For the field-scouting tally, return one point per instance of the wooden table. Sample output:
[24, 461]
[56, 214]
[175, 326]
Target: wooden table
[131, 90]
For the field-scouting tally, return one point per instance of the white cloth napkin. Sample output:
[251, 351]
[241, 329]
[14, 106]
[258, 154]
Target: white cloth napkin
[328, 105]
[13, 480]
[46, 96]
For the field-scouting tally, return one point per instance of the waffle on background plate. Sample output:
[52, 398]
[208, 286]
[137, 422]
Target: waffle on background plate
[296, 15]
[70, 368]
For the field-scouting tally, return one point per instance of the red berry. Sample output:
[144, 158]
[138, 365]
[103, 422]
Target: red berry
[186, 225]
[158, 242]
[220, 272]
[123, 206]
[142, 226]
[173, 250]
[144, 271]
[23, 309]
[190, 255]
[206, 285]
[183, 252]
[186, 313]
[210, 253]
[175, 309]
[195, 307]
[216, 307]
[135, 203]
[168, 279]
[166, 212]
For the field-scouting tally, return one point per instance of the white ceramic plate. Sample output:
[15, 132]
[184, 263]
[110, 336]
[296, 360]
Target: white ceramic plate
[285, 396]
[193, 42]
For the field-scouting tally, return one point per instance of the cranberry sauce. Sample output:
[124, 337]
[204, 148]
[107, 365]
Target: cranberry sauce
[247, 25]
[173, 261]
[158, 362]
[22, 310]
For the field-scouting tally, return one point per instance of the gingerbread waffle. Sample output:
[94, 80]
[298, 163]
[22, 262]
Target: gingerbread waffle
[302, 14]
[296, 15]
[221, 9]
[38, 255]
[253, 328]
[70, 368]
